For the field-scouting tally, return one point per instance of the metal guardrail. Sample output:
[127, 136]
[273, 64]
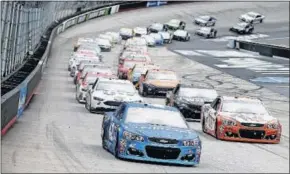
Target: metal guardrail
[18, 98]
[263, 49]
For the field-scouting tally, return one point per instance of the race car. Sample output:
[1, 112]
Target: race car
[89, 68]
[104, 44]
[189, 100]
[134, 56]
[90, 77]
[153, 133]
[167, 37]
[242, 28]
[82, 65]
[252, 17]
[149, 40]
[157, 37]
[157, 82]
[135, 48]
[75, 61]
[139, 31]
[107, 37]
[206, 32]
[135, 41]
[115, 36]
[124, 68]
[80, 41]
[126, 33]
[205, 20]
[155, 28]
[175, 24]
[91, 46]
[240, 119]
[108, 94]
[138, 69]
[181, 35]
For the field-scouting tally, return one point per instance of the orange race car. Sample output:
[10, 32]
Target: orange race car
[138, 69]
[157, 82]
[240, 119]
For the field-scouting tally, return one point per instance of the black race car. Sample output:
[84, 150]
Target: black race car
[189, 100]
[243, 28]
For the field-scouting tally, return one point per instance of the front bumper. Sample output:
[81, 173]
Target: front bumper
[157, 91]
[179, 38]
[249, 134]
[153, 152]
[190, 112]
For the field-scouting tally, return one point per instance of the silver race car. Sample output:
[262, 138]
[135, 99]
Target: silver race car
[175, 24]
[181, 35]
[252, 17]
[205, 20]
[167, 37]
[104, 44]
[207, 32]
[108, 94]
[155, 28]
[243, 28]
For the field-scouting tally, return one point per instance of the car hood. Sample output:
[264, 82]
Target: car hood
[172, 24]
[200, 20]
[246, 17]
[150, 130]
[249, 117]
[117, 96]
[163, 83]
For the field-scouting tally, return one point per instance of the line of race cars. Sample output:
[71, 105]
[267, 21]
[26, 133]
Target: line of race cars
[134, 129]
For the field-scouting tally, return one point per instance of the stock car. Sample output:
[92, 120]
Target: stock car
[207, 32]
[134, 56]
[139, 31]
[82, 40]
[89, 68]
[175, 24]
[104, 44]
[205, 20]
[138, 69]
[82, 65]
[240, 119]
[75, 63]
[149, 40]
[155, 28]
[181, 35]
[125, 67]
[243, 28]
[126, 33]
[157, 82]
[90, 46]
[115, 36]
[189, 100]
[90, 77]
[158, 38]
[107, 37]
[107, 94]
[148, 132]
[139, 49]
[79, 55]
[135, 41]
[252, 17]
[167, 37]
[130, 55]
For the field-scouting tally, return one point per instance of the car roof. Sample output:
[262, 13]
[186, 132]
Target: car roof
[253, 13]
[204, 17]
[146, 105]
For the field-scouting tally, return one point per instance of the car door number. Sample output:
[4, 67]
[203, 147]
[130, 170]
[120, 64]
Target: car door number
[112, 131]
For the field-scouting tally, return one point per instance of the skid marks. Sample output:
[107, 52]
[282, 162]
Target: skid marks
[63, 153]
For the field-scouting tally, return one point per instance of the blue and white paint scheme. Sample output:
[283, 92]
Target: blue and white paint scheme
[158, 38]
[147, 132]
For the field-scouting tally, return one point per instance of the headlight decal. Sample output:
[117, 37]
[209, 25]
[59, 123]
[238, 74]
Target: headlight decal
[227, 122]
[195, 142]
[131, 136]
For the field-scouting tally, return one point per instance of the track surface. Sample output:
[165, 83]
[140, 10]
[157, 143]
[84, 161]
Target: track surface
[56, 134]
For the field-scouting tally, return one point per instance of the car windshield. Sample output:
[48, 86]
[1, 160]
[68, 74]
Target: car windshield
[243, 107]
[174, 21]
[88, 64]
[155, 116]
[94, 69]
[126, 31]
[197, 93]
[162, 76]
[116, 86]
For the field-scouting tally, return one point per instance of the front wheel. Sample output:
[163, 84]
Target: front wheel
[116, 152]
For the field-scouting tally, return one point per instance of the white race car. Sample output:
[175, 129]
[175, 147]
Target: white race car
[150, 40]
[139, 31]
[157, 37]
[155, 28]
[175, 24]
[104, 44]
[252, 17]
[89, 78]
[181, 35]
[205, 20]
[82, 65]
[126, 33]
[81, 54]
[135, 41]
[115, 36]
[167, 37]
[108, 94]
[107, 37]
[76, 62]
[207, 32]
[93, 47]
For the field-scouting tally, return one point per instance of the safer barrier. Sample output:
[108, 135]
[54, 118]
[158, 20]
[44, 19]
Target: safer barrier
[15, 101]
[262, 49]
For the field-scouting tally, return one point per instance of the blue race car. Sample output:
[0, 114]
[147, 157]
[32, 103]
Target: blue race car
[158, 38]
[148, 132]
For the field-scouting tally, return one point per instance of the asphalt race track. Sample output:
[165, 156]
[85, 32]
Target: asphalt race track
[57, 134]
